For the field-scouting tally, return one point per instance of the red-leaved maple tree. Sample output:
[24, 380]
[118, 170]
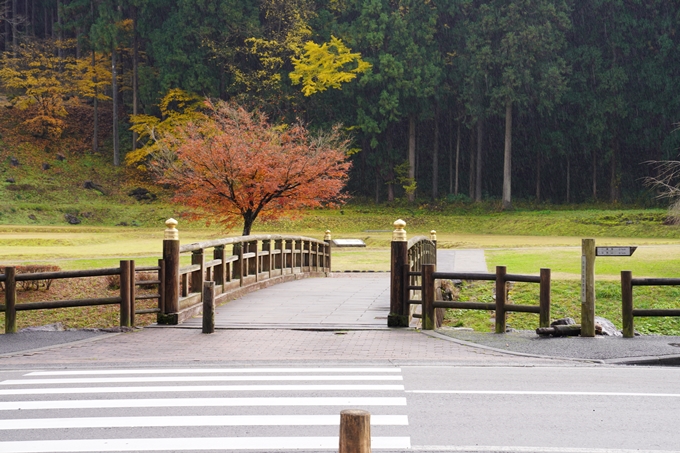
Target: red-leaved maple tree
[232, 164]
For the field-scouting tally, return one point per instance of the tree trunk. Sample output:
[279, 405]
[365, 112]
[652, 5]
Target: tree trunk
[114, 96]
[15, 42]
[471, 173]
[377, 186]
[538, 176]
[451, 154]
[594, 175]
[614, 177]
[135, 62]
[95, 109]
[507, 158]
[455, 187]
[248, 220]
[412, 153]
[5, 41]
[478, 173]
[568, 178]
[435, 156]
[60, 50]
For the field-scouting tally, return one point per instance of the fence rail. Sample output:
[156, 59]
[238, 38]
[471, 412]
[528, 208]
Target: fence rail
[126, 298]
[628, 313]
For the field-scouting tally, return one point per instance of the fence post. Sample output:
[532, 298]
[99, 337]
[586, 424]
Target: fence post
[125, 293]
[355, 431]
[133, 292]
[627, 304]
[428, 296]
[544, 314]
[588, 288]
[171, 259]
[208, 307]
[10, 300]
[399, 253]
[327, 251]
[500, 299]
[433, 238]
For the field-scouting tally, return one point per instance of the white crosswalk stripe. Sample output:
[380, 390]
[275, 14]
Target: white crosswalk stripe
[265, 409]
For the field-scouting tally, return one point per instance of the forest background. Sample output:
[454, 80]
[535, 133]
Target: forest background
[566, 99]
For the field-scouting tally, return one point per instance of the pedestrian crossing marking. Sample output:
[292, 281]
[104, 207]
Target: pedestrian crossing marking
[194, 444]
[126, 380]
[204, 402]
[194, 420]
[212, 370]
[201, 388]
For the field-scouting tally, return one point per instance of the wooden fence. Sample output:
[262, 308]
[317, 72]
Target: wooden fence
[126, 298]
[253, 262]
[501, 307]
[413, 275]
[628, 312]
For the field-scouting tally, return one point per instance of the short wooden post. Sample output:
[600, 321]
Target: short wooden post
[10, 300]
[428, 296]
[399, 256]
[544, 301]
[208, 307]
[627, 304]
[355, 431]
[433, 238]
[500, 299]
[288, 258]
[125, 293]
[238, 250]
[133, 292]
[327, 251]
[588, 288]
[171, 259]
[405, 292]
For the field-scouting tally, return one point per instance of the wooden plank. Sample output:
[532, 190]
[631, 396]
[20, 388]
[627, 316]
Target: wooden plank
[68, 303]
[655, 281]
[464, 305]
[656, 312]
[464, 276]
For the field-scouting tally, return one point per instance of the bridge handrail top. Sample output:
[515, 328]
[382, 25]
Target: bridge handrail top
[241, 239]
[415, 239]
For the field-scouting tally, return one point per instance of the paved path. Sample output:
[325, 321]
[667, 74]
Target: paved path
[345, 301]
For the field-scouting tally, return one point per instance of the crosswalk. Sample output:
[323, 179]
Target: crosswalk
[197, 409]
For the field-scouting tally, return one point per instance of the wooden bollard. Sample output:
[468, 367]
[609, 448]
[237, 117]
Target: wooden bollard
[209, 307]
[10, 300]
[355, 431]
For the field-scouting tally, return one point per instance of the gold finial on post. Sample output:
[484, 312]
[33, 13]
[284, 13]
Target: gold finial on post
[433, 235]
[171, 233]
[399, 233]
[327, 236]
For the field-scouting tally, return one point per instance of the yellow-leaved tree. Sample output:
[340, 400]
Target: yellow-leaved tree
[178, 108]
[41, 82]
[326, 66]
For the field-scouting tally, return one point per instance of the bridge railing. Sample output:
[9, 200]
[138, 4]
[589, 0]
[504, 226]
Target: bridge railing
[237, 265]
[407, 260]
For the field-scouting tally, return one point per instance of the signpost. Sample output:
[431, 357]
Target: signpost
[589, 252]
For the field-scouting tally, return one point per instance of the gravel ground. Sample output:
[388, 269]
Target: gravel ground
[645, 349]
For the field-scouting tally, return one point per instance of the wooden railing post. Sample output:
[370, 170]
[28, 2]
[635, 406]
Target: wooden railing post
[161, 286]
[239, 267]
[208, 307]
[133, 292]
[171, 259]
[500, 299]
[289, 258]
[219, 271]
[544, 300]
[327, 251]
[267, 247]
[279, 260]
[125, 293]
[399, 257]
[198, 277]
[355, 431]
[433, 238]
[10, 300]
[588, 288]
[627, 304]
[428, 320]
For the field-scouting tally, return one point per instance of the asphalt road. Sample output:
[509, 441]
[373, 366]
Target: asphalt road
[595, 409]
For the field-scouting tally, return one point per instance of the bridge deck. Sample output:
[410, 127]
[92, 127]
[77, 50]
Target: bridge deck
[345, 301]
